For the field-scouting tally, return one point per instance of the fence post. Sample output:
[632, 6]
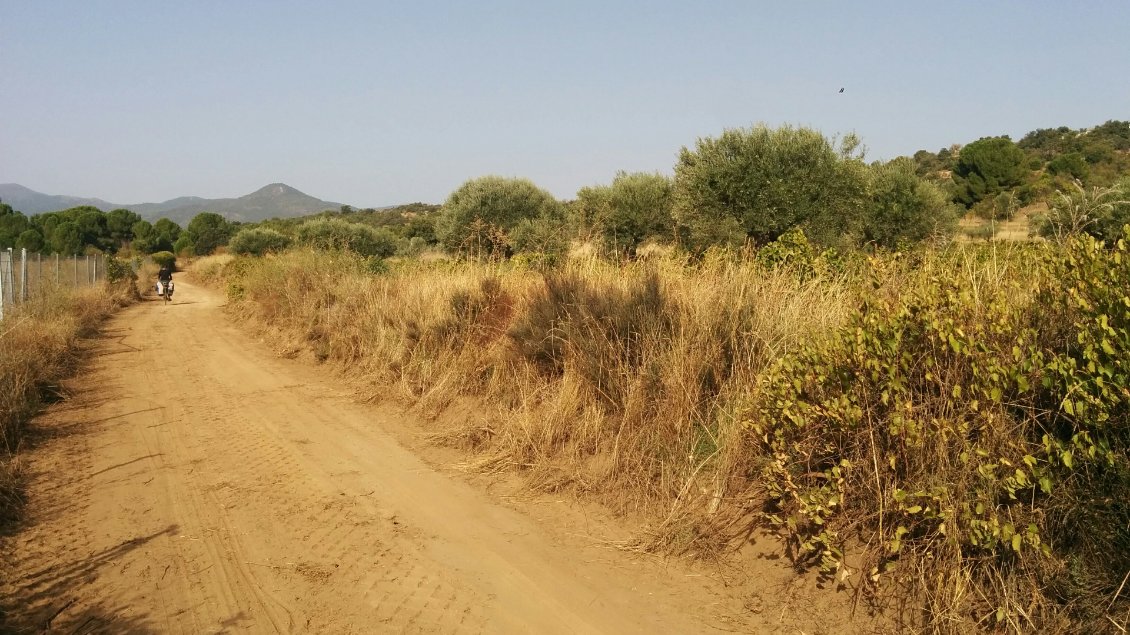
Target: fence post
[23, 274]
[9, 282]
[2, 288]
[95, 274]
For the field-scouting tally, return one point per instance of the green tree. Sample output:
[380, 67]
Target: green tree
[12, 224]
[986, 167]
[66, 239]
[755, 184]
[166, 234]
[905, 208]
[31, 240]
[207, 231]
[635, 208]
[478, 217]
[257, 241]
[120, 224]
[144, 238]
[183, 244]
[1072, 165]
[95, 232]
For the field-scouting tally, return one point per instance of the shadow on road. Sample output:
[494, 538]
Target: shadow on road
[44, 600]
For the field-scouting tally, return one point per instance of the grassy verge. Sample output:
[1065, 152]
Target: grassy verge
[37, 350]
[944, 430]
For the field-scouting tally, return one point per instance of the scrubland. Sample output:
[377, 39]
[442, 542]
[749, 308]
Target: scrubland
[942, 432]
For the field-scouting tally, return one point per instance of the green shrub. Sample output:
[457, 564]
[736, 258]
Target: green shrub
[965, 429]
[162, 258]
[333, 233]
[477, 218]
[634, 209]
[258, 241]
[118, 270]
[904, 208]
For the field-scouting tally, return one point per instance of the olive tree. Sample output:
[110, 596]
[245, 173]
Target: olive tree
[903, 207]
[634, 208]
[757, 183]
[479, 217]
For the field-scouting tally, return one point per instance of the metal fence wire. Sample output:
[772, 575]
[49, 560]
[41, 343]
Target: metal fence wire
[22, 274]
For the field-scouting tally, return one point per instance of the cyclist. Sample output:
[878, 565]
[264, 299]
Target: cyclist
[164, 276]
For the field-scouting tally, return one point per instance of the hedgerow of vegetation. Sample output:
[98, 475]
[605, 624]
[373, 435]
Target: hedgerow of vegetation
[257, 241]
[332, 233]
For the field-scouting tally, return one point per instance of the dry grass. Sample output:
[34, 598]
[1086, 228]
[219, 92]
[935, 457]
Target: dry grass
[645, 384]
[617, 379]
[37, 350]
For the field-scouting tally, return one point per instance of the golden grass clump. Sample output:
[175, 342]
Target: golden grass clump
[37, 350]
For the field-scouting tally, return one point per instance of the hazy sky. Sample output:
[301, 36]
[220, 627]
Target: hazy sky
[377, 103]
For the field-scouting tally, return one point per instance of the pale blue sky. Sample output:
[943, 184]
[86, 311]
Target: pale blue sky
[374, 103]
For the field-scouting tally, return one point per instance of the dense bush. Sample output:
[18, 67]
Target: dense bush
[758, 183]
[333, 233]
[162, 258]
[258, 241]
[477, 218]
[903, 208]
[633, 209]
[967, 427]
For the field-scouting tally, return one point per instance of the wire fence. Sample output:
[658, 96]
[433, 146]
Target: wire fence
[23, 273]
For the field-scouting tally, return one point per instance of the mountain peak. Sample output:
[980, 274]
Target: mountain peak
[274, 189]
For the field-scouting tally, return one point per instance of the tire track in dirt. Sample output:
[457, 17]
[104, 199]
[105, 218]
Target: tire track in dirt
[193, 483]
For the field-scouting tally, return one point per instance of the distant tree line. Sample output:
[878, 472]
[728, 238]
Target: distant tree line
[745, 186]
[86, 229]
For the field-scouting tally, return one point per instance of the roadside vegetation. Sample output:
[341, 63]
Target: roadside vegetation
[38, 348]
[779, 337]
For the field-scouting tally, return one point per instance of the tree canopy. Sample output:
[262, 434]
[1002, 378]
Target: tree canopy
[479, 217]
[208, 231]
[634, 208]
[986, 167]
[760, 182]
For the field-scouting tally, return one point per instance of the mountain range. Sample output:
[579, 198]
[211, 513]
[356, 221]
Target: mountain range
[276, 200]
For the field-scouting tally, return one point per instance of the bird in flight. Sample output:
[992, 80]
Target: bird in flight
[841, 90]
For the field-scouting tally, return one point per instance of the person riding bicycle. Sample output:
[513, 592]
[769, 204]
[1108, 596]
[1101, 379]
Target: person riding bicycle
[164, 276]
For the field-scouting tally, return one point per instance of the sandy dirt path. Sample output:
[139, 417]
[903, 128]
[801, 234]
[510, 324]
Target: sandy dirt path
[193, 483]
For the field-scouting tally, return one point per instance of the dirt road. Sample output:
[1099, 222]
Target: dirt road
[194, 483]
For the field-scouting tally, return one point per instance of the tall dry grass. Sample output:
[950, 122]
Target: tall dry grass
[595, 377]
[37, 350]
[714, 396]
